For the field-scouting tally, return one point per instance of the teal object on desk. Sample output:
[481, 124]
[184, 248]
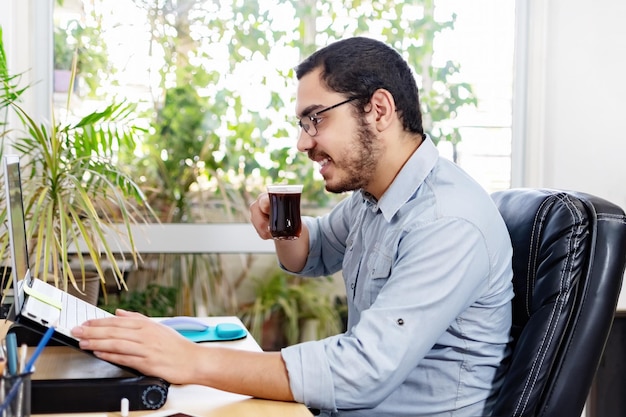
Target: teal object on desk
[11, 346]
[221, 332]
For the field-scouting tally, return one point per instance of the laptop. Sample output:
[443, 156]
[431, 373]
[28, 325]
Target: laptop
[37, 304]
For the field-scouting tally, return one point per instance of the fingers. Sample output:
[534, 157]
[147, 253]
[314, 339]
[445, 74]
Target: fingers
[117, 321]
[259, 216]
[123, 313]
[147, 352]
[261, 206]
[136, 341]
[127, 337]
[134, 328]
[119, 347]
[264, 203]
[98, 335]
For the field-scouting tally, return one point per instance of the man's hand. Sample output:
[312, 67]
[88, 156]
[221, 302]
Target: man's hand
[135, 341]
[260, 216]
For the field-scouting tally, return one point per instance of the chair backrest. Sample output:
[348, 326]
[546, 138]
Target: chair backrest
[569, 253]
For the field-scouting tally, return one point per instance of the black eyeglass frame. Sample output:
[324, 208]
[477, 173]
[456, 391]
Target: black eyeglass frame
[314, 118]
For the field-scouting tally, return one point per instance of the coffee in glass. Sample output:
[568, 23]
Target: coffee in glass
[285, 221]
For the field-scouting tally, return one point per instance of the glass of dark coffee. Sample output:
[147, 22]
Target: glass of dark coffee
[285, 221]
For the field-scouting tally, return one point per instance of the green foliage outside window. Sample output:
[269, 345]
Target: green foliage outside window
[92, 64]
[207, 135]
[212, 147]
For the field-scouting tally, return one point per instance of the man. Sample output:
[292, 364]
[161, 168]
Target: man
[425, 256]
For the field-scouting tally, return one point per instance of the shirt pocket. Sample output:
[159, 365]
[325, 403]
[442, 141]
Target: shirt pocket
[379, 270]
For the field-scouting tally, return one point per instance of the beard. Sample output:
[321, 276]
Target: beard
[357, 165]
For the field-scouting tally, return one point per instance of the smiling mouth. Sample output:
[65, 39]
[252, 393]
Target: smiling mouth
[324, 162]
[320, 158]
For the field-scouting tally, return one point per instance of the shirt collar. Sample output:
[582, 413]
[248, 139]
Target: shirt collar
[408, 180]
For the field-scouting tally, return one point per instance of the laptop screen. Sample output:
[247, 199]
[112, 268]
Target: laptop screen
[16, 226]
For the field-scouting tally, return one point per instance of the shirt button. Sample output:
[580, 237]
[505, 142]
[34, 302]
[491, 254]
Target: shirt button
[400, 322]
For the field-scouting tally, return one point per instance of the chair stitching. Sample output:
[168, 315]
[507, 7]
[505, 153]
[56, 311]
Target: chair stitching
[534, 244]
[565, 282]
[606, 217]
[565, 289]
[611, 217]
[531, 381]
[532, 258]
[558, 306]
[531, 270]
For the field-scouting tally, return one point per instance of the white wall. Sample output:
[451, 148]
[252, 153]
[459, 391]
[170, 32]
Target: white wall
[573, 103]
[570, 98]
[26, 26]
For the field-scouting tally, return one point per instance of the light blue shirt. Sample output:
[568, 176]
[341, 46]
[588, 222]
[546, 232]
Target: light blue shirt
[427, 271]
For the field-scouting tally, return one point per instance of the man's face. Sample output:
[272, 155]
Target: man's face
[345, 147]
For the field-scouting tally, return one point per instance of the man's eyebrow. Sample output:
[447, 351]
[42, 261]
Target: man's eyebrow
[310, 109]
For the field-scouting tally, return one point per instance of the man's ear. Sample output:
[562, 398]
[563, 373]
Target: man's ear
[383, 109]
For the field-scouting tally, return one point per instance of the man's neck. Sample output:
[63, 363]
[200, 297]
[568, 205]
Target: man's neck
[392, 163]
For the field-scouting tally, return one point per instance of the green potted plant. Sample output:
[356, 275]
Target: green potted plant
[155, 300]
[286, 308]
[74, 190]
[79, 50]
[63, 56]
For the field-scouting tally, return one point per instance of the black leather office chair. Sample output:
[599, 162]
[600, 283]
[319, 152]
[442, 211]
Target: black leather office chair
[569, 252]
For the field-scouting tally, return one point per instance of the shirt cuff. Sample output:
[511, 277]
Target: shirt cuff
[310, 379]
[314, 251]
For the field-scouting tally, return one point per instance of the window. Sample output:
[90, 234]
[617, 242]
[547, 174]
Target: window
[481, 43]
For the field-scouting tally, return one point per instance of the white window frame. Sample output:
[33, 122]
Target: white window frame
[27, 28]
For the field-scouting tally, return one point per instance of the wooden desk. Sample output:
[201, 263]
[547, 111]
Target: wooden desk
[196, 400]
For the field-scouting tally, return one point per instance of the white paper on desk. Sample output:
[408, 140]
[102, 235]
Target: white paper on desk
[169, 413]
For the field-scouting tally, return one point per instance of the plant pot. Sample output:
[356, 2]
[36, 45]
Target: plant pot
[62, 80]
[273, 334]
[91, 289]
[309, 329]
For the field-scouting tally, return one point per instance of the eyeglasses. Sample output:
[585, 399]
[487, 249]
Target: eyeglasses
[315, 119]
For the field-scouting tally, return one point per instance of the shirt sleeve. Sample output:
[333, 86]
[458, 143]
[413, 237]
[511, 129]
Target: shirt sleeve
[327, 237]
[422, 291]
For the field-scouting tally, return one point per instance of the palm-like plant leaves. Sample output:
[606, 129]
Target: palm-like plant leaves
[74, 193]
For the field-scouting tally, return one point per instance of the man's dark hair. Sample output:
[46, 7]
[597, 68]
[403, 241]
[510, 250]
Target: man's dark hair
[359, 66]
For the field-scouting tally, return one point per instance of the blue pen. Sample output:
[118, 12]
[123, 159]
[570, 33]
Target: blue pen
[11, 341]
[29, 366]
[42, 344]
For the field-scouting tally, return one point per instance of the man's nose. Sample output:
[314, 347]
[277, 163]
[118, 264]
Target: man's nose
[305, 141]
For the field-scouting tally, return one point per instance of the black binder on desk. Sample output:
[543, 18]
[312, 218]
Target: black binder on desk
[68, 380]
[36, 305]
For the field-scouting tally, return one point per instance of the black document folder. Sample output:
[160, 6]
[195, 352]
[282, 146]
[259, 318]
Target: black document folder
[68, 380]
